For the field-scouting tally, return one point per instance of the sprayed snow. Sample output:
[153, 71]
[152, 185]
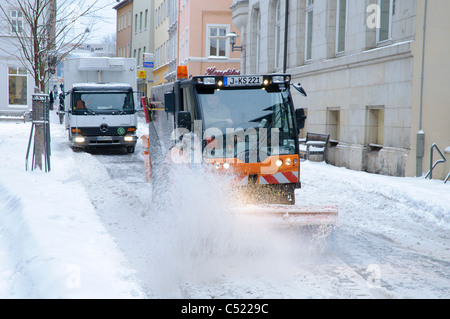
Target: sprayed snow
[90, 229]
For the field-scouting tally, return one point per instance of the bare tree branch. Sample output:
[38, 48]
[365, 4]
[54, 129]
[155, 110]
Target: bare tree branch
[47, 32]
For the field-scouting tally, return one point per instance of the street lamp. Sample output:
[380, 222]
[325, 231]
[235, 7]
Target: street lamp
[232, 36]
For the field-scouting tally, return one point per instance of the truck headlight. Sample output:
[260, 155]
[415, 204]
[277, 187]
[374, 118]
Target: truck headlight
[226, 165]
[79, 139]
[279, 162]
[209, 81]
[128, 138]
[278, 79]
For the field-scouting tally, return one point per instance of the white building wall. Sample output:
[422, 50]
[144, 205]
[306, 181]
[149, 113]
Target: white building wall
[9, 45]
[367, 78]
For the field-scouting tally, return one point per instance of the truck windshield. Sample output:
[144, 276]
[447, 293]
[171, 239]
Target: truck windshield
[252, 123]
[103, 103]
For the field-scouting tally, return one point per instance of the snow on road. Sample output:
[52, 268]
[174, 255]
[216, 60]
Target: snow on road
[89, 229]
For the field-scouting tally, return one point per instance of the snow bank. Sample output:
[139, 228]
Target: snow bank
[52, 243]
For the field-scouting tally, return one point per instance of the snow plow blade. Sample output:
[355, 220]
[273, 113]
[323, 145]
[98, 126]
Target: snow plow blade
[287, 215]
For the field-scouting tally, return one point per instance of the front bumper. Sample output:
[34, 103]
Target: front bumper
[87, 141]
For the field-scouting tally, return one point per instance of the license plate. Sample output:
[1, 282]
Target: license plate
[243, 80]
[104, 138]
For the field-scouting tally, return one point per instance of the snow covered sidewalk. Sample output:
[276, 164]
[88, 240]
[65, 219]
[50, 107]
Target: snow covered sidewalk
[52, 243]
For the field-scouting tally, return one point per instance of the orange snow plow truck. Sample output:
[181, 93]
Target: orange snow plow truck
[245, 126]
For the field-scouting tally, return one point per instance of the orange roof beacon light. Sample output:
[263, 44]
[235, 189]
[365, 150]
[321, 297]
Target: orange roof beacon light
[182, 72]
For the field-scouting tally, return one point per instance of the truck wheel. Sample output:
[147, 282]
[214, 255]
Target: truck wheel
[130, 149]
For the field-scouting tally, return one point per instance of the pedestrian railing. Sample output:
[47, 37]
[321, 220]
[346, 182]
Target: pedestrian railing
[433, 165]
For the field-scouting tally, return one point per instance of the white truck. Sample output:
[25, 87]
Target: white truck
[100, 107]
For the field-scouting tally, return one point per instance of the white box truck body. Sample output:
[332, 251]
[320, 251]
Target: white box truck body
[100, 103]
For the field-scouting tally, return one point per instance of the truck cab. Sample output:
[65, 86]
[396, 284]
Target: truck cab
[100, 107]
[102, 115]
[246, 126]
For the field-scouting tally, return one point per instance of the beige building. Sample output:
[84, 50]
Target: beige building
[202, 36]
[124, 18]
[361, 65]
[161, 55]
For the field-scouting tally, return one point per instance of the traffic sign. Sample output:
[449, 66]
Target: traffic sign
[149, 64]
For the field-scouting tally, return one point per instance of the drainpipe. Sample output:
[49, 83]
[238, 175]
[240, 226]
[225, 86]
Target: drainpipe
[420, 147]
[286, 35]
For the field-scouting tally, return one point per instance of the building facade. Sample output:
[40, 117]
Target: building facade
[16, 82]
[202, 40]
[124, 28]
[362, 64]
[173, 40]
[135, 37]
[161, 55]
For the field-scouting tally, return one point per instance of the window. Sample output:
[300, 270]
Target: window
[189, 104]
[17, 85]
[103, 103]
[265, 111]
[16, 21]
[140, 21]
[309, 28]
[146, 19]
[277, 34]
[333, 122]
[186, 47]
[217, 40]
[375, 126]
[386, 12]
[182, 47]
[157, 17]
[341, 25]
[135, 23]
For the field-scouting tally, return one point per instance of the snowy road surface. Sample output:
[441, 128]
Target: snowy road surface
[89, 228]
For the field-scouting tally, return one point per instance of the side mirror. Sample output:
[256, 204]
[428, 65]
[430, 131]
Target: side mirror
[169, 102]
[299, 88]
[184, 120]
[300, 117]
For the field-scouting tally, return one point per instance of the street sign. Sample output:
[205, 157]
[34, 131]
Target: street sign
[149, 64]
[142, 74]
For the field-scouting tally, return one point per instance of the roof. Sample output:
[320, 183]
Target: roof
[121, 4]
[102, 86]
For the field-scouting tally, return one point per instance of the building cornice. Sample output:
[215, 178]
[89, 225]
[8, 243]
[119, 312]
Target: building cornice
[378, 55]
